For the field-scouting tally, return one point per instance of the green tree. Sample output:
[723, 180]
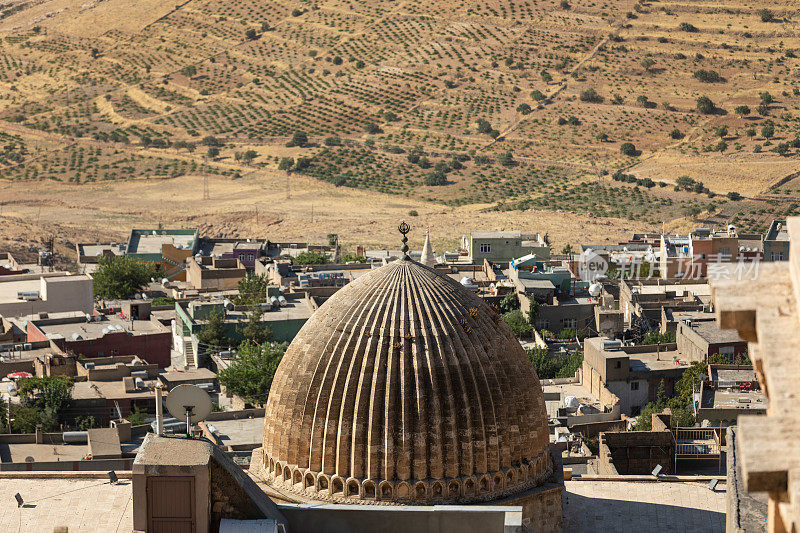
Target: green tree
[213, 152]
[742, 110]
[212, 333]
[251, 34]
[119, 277]
[509, 302]
[49, 396]
[250, 374]
[544, 365]
[86, 422]
[252, 289]
[137, 417]
[25, 419]
[252, 328]
[311, 258]
[516, 321]
[768, 129]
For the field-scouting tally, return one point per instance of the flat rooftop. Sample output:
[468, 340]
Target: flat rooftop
[17, 453]
[79, 504]
[188, 375]
[498, 235]
[94, 330]
[240, 432]
[733, 398]
[95, 250]
[9, 289]
[737, 375]
[652, 361]
[151, 241]
[569, 389]
[680, 289]
[293, 310]
[777, 231]
[711, 332]
[96, 390]
[591, 506]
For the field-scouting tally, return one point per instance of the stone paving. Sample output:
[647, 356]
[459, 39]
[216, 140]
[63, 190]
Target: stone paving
[80, 504]
[591, 506]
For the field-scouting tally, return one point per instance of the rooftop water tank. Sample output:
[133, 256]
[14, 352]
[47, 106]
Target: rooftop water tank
[572, 402]
[76, 437]
[595, 289]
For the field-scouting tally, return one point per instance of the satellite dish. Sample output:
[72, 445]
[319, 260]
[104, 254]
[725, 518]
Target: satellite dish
[190, 403]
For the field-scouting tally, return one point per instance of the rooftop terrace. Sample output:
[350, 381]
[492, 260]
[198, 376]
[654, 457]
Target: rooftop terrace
[144, 241]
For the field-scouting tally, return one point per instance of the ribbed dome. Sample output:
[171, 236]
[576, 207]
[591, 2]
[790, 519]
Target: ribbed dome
[405, 386]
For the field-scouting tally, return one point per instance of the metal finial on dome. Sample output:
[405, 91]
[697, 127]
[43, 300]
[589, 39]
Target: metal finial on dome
[404, 228]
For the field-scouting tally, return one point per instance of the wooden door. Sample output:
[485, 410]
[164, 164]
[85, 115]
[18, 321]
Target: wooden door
[170, 505]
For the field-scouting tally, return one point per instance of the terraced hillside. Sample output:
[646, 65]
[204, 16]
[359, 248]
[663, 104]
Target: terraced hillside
[654, 112]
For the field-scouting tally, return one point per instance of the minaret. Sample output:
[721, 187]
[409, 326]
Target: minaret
[428, 258]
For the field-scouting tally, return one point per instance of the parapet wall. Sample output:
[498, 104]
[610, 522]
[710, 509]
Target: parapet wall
[635, 452]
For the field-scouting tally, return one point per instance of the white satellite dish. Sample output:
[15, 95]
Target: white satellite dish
[190, 403]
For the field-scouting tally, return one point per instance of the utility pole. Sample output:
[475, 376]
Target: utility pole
[206, 192]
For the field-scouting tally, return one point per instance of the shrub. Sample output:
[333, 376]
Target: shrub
[537, 95]
[707, 76]
[676, 134]
[507, 159]
[591, 95]
[705, 105]
[436, 178]
[742, 110]
[766, 15]
[685, 26]
[768, 129]
[298, 139]
[734, 196]
[524, 108]
[413, 213]
[251, 34]
[372, 128]
[629, 149]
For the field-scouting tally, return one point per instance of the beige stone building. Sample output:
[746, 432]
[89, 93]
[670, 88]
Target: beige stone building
[406, 388]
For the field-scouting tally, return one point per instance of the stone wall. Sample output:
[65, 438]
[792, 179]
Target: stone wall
[636, 452]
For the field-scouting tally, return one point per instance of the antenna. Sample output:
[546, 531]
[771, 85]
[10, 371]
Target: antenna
[206, 192]
[189, 402]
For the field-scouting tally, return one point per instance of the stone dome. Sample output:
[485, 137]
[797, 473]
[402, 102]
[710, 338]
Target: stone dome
[405, 387]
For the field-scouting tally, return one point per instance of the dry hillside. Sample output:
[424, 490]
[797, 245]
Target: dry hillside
[582, 118]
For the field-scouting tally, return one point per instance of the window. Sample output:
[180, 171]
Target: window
[486, 248]
[634, 385]
[542, 324]
[776, 256]
[250, 257]
[725, 252]
[617, 364]
[569, 323]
